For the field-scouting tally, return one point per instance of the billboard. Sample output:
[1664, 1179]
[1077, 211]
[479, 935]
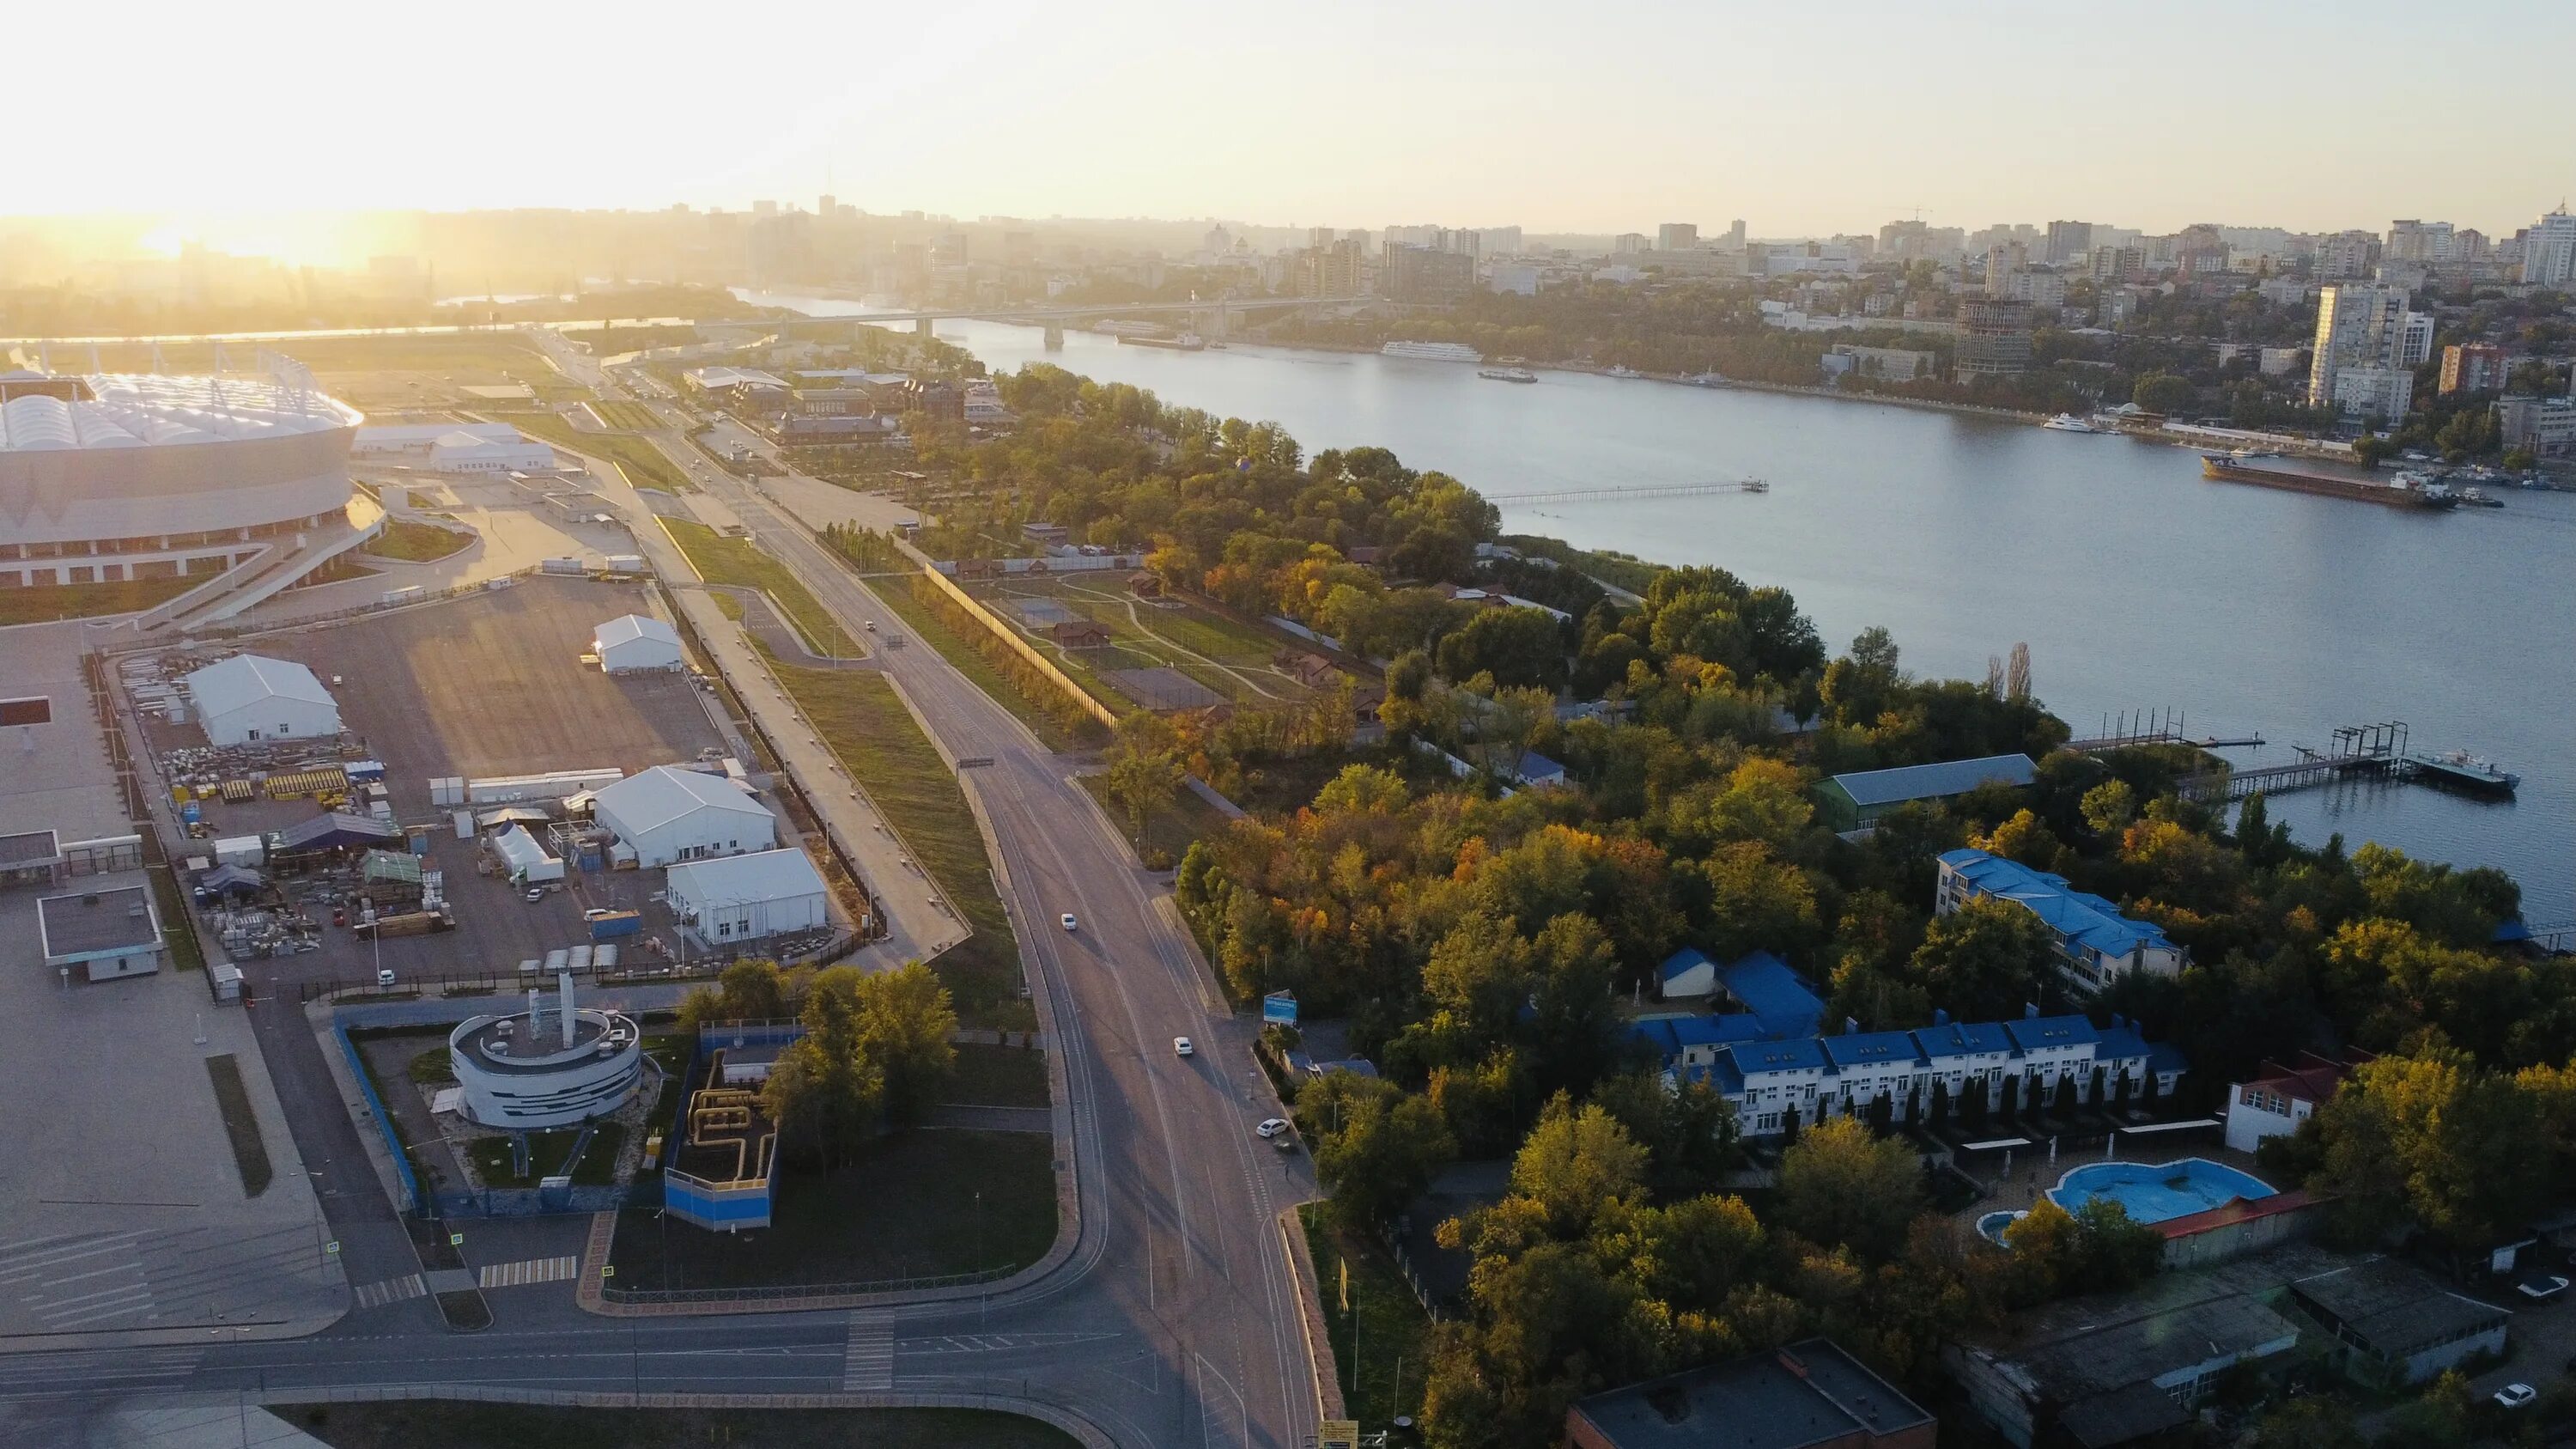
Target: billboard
[1279, 1008]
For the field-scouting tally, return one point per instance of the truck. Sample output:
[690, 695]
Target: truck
[611, 925]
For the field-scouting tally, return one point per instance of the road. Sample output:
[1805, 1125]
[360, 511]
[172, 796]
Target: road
[1173, 1322]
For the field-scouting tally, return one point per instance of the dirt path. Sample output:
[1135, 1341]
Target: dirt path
[1147, 630]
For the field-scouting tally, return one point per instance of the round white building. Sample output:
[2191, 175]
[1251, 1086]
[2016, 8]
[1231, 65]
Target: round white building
[547, 1068]
[108, 477]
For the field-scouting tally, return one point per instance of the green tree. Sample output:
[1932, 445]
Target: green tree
[748, 990]
[1574, 1163]
[1377, 1146]
[2162, 392]
[906, 1030]
[1520, 648]
[1144, 768]
[1844, 1187]
[1983, 960]
[825, 1091]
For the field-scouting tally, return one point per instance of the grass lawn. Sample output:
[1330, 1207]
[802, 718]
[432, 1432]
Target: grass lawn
[928, 628]
[415, 542]
[917, 1204]
[1170, 829]
[634, 417]
[178, 927]
[437, 1424]
[1184, 637]
[1394, 1332]
[722, 560]
[433, 1068]
[241, 1125]
[546, 1152]
[883, 749]
[644, 465]
[998, 1076]
[47, 602]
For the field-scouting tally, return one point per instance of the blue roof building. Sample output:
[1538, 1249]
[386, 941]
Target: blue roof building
[1855, 801]
[1687, 973]
[1770, 990]
[2096, 944]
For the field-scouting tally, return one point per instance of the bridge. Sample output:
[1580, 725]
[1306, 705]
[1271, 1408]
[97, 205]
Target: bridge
[1212, 316]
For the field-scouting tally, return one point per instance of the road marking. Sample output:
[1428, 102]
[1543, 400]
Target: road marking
[392, 1290]
[868, 1362]
[533, 1270]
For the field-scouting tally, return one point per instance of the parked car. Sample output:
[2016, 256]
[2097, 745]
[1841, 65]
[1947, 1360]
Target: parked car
[2516, 1396]
[1066, 920]
[2541, 1287]
[1272, 1127]
[385, 977]
[533, 893]
[1181, 1047]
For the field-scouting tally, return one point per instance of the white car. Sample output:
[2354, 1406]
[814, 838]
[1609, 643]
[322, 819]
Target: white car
[1066, 920]
[1181, 1046]
[2516, 1396]
[1272, 1127]
[385, 977]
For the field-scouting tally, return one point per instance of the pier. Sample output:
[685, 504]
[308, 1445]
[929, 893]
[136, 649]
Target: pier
[1613, 492]
[2372, 751]
[2155, 727]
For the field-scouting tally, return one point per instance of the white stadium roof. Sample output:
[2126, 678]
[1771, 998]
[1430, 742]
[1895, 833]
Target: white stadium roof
[766, 875]
[135, 411]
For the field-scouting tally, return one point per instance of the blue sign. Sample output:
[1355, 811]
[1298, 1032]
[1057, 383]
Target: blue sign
[1279, 1007]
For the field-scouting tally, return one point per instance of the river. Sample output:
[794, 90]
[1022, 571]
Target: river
[2136, 583]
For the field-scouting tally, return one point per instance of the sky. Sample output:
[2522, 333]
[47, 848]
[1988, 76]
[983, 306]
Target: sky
[2307, 114]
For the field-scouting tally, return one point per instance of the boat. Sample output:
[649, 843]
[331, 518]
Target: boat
[1621, 369]
[1507, 374]
[1709, 379]
[2069, 423]
[2479, 498]
[1432, 351]
[2466, 771]
[1186, 342]
[2407, 490]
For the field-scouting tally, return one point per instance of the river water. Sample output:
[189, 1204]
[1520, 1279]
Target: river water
[2136, 584]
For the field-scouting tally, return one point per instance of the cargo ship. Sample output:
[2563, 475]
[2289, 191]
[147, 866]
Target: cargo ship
[1186, 342]
[2406, 490]
[1433, 351]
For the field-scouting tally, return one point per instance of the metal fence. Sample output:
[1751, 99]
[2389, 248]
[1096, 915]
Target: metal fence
[384, 1122]
[789, 1293]
[534, 1202]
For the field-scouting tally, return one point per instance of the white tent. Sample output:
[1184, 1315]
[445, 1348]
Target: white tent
[669, 814]
[248, 697]
[525, 859]
[633, 641]
[745, 897]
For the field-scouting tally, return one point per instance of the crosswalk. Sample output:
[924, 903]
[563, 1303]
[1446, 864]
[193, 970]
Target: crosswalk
[392, 1290]
[532, 1270]
[868, 1363]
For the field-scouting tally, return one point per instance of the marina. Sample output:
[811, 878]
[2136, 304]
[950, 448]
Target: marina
[2376, 751]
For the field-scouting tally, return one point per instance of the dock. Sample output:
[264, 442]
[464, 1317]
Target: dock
[1616, 492]
[2359, 752]
[2154, 727]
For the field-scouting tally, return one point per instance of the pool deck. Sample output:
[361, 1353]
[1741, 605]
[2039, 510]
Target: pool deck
[2033, 1174]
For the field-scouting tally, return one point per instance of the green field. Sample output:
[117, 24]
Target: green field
[546, 1152]
[1393, 1332]
[644, 465]
[722, 560]
[1230, 659]
[415, 542]
[919, 1204]
[436, 1424]
[634, 417]
[858, 714]
[47, 602]
[998, 1076]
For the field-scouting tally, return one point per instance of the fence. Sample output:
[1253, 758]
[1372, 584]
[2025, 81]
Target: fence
[1010, 636]
[789, 1293]
[534, 1202]
[411, 1198]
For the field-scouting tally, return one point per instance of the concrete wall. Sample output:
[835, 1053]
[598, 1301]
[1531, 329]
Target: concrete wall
[1011, 636]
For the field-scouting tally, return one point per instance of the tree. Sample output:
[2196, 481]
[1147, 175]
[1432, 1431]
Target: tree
[1575, 1163]
[905, 1028]
[1842, 1186]
[824, 1090]
[1145, 769]
[748, 990]
[1377, 1146]
[1986, 958]
[2162, 392]
[1689, 1133]
[1518, 647]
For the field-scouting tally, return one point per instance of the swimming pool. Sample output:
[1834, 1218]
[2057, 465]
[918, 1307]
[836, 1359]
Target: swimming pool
[2152, 1194]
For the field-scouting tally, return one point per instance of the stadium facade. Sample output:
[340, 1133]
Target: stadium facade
[108, 477]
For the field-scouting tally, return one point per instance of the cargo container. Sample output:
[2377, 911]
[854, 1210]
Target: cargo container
[363, 770]
[563, 566]
[465, 825]
[578, 960]
[528, 968]
[448, 790]
[240, 850]
[615, 924]
[626, 563]
[604, 958]
[502, 789]
[403, 595]
[556, 960]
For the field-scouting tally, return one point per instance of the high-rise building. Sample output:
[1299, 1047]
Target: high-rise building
[1423, 274]
[2360, 328]
[2068, 241]
[2002, 260]
[2119, 264]
[1735, 234]
[2549, 250]
[2415, 343]
[764, 208]
[2474, 367]
[2347, 257]
[1674, 236]
[1994, 337]
[2418, 241]
[1502, 241]
[1628, 243]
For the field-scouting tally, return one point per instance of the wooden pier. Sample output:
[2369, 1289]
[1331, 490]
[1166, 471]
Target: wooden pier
[2155, 727]
[2359, 752]
[1615, 492]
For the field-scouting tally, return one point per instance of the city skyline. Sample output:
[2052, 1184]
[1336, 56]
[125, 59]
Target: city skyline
[1730, 113]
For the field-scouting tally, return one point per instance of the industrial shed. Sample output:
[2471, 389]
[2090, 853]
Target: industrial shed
[670, 815]
[746, 897]
[634, 642]
[248, 697]
[1853, 801]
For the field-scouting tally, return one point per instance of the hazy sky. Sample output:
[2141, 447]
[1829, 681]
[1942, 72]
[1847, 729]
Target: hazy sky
[2309, 114]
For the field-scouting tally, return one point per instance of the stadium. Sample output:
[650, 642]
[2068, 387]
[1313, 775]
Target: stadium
[111, 477]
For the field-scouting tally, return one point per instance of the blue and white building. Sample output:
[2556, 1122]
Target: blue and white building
[2096, 944]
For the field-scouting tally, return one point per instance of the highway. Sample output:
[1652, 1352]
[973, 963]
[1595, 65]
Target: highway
[1173, 1322]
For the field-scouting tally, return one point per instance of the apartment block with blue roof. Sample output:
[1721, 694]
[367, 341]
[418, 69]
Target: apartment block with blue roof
[2096, 944]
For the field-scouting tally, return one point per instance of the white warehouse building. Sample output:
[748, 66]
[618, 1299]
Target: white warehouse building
[633, 642]
[746, 897]
[248, 697]
[455, 447]
[670, 815]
